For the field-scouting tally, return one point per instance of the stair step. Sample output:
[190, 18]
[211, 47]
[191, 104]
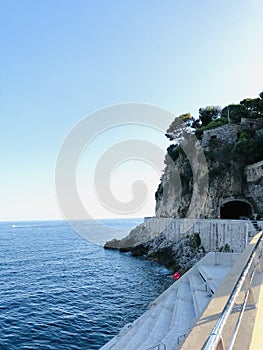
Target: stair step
[185, 318]
[199, 292]
[137, 330]
[160, 328]
[120, 341]
[213, 275]
[201, 299]
[184, 293]
[156, 323]
[159, 334]
[172, 315]
[255, 224]
[197, 282]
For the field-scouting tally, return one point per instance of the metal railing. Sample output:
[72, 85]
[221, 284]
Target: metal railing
[215, 340]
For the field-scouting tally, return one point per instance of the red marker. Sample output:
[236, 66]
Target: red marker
[176, 276]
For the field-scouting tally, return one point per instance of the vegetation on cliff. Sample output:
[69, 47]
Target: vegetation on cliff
[212, 117]
[248, 147]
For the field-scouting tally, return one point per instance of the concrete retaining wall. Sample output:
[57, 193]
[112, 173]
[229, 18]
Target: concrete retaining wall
[214, 234]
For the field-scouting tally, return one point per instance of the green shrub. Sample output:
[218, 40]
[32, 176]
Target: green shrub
[226, 248]
[195, 240]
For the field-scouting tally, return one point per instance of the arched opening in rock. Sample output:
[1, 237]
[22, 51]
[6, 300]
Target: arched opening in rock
[235, 210]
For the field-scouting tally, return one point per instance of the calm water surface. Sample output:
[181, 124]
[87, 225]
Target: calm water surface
[60, 291]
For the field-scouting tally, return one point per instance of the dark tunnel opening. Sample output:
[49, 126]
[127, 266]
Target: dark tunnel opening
[235, 210]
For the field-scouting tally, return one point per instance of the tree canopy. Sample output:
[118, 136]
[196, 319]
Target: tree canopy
[254, 106]
[180, 127]
[234, 113]
[249, 146]
[211, 117]
[208, 114]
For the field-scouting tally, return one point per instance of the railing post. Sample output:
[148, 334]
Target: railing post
[220, 345]
[247, 229]
[248, 286]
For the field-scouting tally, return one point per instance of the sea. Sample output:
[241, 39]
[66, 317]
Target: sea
[61, 291]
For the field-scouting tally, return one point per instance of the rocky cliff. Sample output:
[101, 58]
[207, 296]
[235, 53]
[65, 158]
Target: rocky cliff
[226, 180]
[213, 169]
[154, 243]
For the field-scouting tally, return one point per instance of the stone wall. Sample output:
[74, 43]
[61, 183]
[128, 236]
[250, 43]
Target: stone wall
[251, 123]
[227, 133]
[214, 234]
[254, 191]
[254, 172]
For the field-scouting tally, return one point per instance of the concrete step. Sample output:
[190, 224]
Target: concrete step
[159, 325]
[137, 330]
[184, 293]
[141, 328]
[113, 343]
[129, 330]
[184, 318]
[164, 324]
[201, 299]
[213, 275]
[172, 315]
[201, 296]
[196, 281]
[159, 329]
[255, 224]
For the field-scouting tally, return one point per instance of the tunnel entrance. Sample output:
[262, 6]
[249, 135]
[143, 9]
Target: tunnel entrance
[235, 210]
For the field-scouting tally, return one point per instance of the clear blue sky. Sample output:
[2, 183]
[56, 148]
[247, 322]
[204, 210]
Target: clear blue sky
[61, 60]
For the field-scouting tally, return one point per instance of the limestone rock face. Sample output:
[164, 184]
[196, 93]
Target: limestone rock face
[136, 237]
[184, 184]
[254, 185]
[228, 179]
[174, 194]
[144, 232]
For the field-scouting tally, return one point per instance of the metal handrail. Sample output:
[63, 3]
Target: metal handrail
[232, 343]
[216, 334]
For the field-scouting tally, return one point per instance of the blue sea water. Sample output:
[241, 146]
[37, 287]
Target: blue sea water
[60, 291]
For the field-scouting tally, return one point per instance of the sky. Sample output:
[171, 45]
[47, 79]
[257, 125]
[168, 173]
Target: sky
[63, 60]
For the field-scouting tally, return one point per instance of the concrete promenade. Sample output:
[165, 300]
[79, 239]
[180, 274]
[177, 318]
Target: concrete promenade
[184, 315]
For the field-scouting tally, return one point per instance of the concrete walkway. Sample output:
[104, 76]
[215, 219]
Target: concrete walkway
[172, 315]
